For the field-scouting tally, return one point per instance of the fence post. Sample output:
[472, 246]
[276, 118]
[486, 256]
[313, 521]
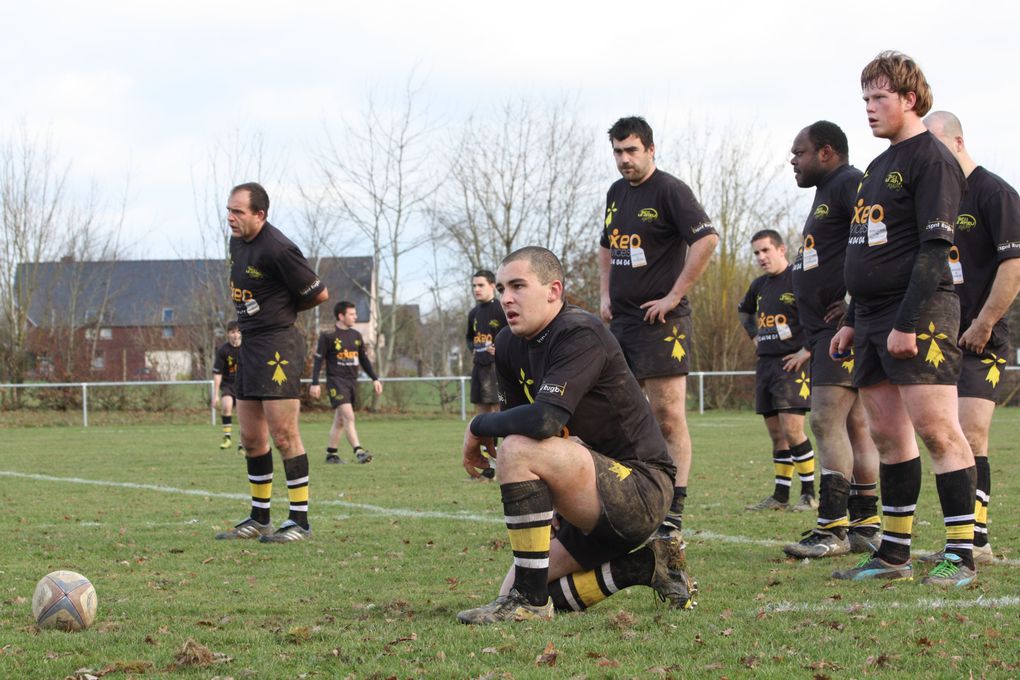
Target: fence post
[85, 404]
[701, 392]
[212, 405]
[463, 400]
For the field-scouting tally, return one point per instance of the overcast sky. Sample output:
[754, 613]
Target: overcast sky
[136, 94]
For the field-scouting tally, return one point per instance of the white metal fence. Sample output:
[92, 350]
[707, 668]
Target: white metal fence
[461, 380]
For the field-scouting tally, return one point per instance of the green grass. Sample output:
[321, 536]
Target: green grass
[402, 544]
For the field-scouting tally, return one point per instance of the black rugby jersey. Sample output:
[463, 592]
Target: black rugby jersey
[225, 362]
[485, 320]
[343, 351]
[269, 277]
[911, 193]
[647, 230]
[987, 232]
[818, 268]
[576, 364]
[772, 302]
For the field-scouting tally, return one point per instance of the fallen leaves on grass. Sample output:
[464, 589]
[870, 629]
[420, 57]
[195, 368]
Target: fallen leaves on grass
[623, 620]
[128, 667]
[547, 657]
[298, 635]
[880, 661]
[196, 655]
[750, 661]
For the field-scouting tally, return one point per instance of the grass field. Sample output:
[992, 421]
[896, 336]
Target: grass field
[402, 544]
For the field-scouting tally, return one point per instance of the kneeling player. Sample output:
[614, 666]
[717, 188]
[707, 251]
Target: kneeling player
[560, 371]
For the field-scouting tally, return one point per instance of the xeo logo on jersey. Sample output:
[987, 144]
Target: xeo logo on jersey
[648, 214]
[894, 180]
[253, 272]
[966, 222]
[821, 211]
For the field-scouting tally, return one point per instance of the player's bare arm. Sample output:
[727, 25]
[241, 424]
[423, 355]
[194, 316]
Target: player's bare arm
[1004, 290]
[698, 257]
[605, 308]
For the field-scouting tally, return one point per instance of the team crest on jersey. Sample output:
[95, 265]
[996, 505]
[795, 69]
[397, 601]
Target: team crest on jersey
[935, 355]
[494, 323]
[821, 211]
[648, 214]
[787, 298]
[279, 377]
[993, 368]
[805, 385]
[337, 345]
[894, 180]
[609, 213]
[253, 272]
[966, 222]
[525, 382]
[620, 470]
[678, 352]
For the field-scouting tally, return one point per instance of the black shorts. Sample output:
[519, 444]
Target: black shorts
[342, 391]
[777, 390]
[635, 498]
[825, 371]
[270, 366]
[484, 384]
[938, 356]
[227, 390]
[981, 374]
[654, 350]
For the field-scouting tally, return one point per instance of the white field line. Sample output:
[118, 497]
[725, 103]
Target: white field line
[921, 603]
[375, 509]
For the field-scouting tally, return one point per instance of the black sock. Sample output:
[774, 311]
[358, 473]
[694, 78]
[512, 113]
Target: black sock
[901, 486]
[296, 469]
[260, 480]
[834, 490]
[330, 450]
[984, 496]
[782, 462]
[956, 495]
[804, 462]
[863, 509]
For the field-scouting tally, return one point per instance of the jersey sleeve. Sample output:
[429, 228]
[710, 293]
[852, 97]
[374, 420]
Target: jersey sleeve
[366, 363]
[1003, 218]
[469, 335]
[749, 305]
[573, 366]
[220, 361]
[511, 390]
[687, 214]
[296, 274]
[937, 190]
[320, 346]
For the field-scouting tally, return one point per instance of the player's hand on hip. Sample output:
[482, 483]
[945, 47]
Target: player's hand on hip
[976, 337]
[901, 345]
[794, 362]
[841, 344]
[656, 310]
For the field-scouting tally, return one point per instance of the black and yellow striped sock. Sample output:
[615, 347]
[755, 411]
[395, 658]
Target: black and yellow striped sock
[863, 507]
[260, 480]
[782, 462]
[804, 462]
[984, 496]
[901, 486]
[956, 495]
[528, 509]
[582, 589]
[296, 469]
[833, 493]
[228, 425]
[675, 516]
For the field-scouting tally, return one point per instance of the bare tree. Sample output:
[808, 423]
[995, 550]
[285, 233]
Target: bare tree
[379, 175]
[526, 177]
[738, 181]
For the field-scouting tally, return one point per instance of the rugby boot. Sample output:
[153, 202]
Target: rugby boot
[289, 531]
[768, 503]
[864, 539]
[818, 543]
[510, 607]
[247, 528]
[671, 583]
[951, 572]
[872, 566]
[982, 555]
[805, 503]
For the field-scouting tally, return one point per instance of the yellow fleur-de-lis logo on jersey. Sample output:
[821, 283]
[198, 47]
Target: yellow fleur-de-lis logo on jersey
[620, 470]
[678, 352]
[993, 370]
[278, 375]
[848, 365]
[934, 356]
[337, 345]
[609, 214]
[525, 381]
[805, 385]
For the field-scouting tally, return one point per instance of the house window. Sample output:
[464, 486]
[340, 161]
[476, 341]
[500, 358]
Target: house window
[168, 315]
[168, 332]
[106, 334]
[99, 361]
